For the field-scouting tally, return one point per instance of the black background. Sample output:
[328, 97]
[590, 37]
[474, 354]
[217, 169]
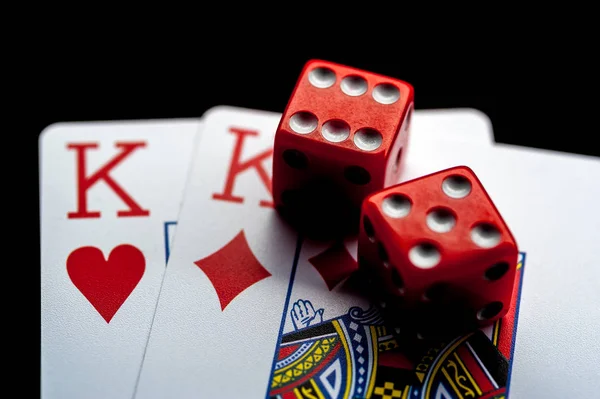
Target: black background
[107, 83]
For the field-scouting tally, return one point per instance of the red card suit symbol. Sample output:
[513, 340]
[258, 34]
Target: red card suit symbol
[232, 269]
[334, 264]
[106, 283]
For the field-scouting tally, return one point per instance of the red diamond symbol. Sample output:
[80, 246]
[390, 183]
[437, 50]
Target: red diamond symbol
[232, 269]
[334, 264]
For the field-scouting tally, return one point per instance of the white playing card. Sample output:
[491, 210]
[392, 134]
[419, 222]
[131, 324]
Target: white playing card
[460, 125]
[223, 297]
[549, 201]
[544, 196]
[109, 193]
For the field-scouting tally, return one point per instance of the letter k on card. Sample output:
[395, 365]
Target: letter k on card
[224, 290]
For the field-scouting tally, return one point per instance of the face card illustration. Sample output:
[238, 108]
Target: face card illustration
[335, 344]
[108, 192]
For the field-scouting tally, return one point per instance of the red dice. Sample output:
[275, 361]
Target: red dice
[341, 138]
[439, 243]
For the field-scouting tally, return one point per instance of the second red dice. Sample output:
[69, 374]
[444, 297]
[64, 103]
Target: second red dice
[343, 131]
[439, 238]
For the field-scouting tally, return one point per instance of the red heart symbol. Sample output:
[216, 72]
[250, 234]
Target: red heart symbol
[106, 283]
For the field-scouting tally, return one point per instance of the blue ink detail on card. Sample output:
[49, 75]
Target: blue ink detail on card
[303, 314]
[515, 323]
[167, 237]
[285, 309]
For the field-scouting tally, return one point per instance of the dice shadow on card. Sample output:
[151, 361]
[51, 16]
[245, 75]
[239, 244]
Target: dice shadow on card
[416, 329]
[320, 211]
[420, 340]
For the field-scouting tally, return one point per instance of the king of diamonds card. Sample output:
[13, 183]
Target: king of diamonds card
[248, 308]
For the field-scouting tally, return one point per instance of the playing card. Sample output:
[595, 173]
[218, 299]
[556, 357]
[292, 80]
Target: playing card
[109, 194]
[223, 302]
[334, 343]
[549, 201]
[458, 125]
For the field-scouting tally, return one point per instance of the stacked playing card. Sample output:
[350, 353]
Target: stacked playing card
[167, 271]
